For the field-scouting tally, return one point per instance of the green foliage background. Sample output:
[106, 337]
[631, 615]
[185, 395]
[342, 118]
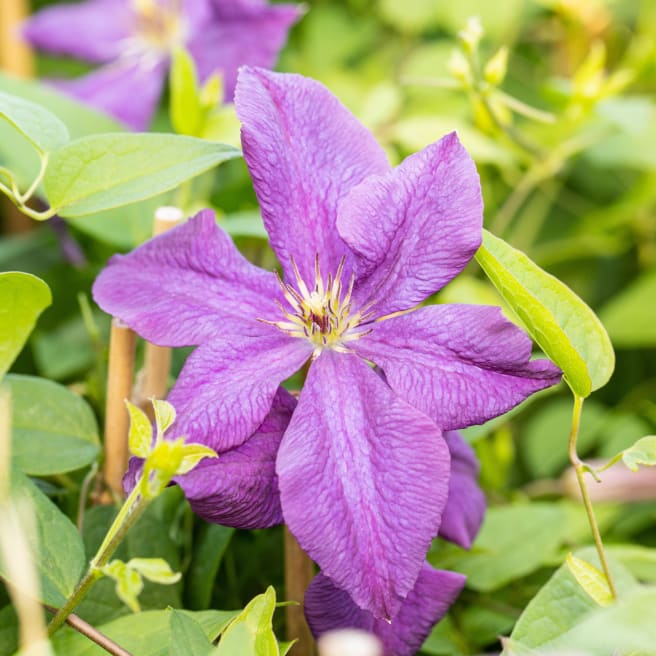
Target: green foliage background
[583, 207]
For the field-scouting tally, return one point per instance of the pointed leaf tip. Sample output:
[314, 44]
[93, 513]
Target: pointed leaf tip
[564, 327]
[591, 580]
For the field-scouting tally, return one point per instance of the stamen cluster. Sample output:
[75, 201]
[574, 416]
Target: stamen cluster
[159, 25]
[321, 314]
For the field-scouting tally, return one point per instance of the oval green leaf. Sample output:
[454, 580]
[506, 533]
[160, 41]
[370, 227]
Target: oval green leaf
[53, 430]
[564, 327]
[58, 547]
[102, 171]
[590, 579]
[40, 126]
[22, 299]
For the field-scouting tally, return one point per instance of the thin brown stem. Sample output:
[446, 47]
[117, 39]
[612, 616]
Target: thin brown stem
[93, 634]
[580, 469]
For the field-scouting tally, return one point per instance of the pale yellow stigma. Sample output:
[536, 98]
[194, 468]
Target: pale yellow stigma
[322, 314]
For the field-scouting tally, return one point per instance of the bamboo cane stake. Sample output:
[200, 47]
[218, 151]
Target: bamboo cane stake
[299, 572]
[119, 387]
[157, 359]
[15, 57]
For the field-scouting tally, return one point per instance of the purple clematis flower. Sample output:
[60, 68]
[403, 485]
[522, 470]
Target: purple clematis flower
[363, 467]
[134, 39]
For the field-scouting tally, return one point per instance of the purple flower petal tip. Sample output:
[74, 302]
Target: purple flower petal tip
[327, 608]
[465, 506]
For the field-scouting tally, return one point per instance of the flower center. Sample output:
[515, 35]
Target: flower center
[159, 27]
[323, 314]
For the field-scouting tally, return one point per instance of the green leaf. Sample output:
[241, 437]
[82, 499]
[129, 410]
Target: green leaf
[185, 107]
[140, 436]
[561, 604]
[40, 126]
[102, 171]
[154, 569]
[60, 554]
[164, 415]
[53, 430]
[514, 541]
[251, 632]
[564, 327]
[192, 455]
[592, 580]
[187, 636]
[624, 628]
[22, 299]
[630, 316]
[643, 452]
[128, 583]
[210, 543]
[144, 634]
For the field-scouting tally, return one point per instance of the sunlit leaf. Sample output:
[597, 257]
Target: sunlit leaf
[22, 299]
[564, 327]
[185, 107]
[154, 569]
[102, 171]
[643, 452]
[251, 633]
[141, 432]
[40, 126]
[590, 579]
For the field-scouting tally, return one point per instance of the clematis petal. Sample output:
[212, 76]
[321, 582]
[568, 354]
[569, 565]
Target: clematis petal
[240, 487]
[128, 90]
[185, 286]
[241, 34]
[465, 506]
[328, 608]
[415, 228]
[363, 480]
[460, 364]
[226, 386]
[91, 30]
[305, 151]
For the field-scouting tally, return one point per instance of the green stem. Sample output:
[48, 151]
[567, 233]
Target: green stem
[580, 469]
[129, 513]
[23, 198]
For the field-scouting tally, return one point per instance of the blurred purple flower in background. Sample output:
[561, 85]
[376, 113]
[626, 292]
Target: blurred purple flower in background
[367, 476]
[134, 39]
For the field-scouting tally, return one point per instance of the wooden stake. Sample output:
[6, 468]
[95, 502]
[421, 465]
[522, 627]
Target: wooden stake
[15, 54]
[299, 572]
[15, 58]
[119, 387]
[157, 359]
